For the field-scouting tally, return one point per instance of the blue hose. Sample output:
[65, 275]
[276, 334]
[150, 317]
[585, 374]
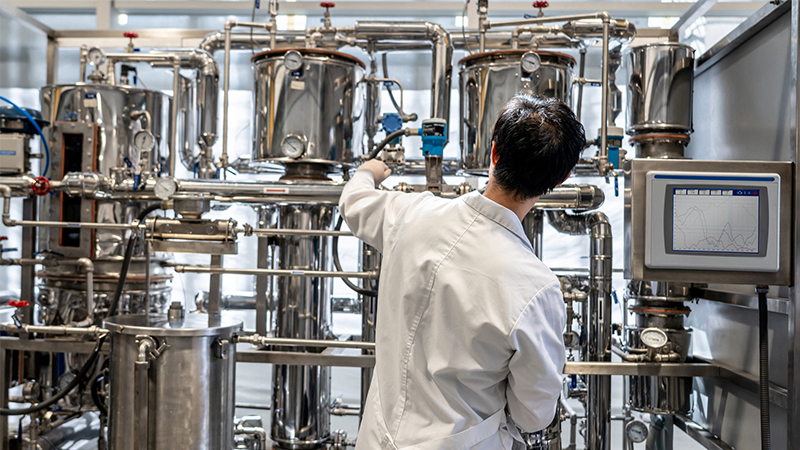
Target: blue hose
[38, 130]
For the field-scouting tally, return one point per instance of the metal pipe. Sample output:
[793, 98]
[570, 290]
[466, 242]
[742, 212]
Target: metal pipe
[59, 330]
[536, 20]
[598, 405]
[442, 54]
[516, 32]
[274, 272]
[246, 41]
[602, 162]
[255, 339]
[291, 232]
[581, 74]
[576, 197]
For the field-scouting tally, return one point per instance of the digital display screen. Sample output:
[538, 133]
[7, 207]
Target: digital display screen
[716, 220]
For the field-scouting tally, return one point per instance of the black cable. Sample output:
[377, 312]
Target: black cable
[389, 138]
[350, 284]
[763, 364]
[67, 389]
[97, 383]
[389, 88]
[126, 262]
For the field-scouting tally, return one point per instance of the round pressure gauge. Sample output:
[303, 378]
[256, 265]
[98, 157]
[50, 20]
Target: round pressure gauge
[653, 338]
[293, 60]
[165, 188]
[293, 146]
[636, 431]
[530, 62]
[144, 141]
[96, 56]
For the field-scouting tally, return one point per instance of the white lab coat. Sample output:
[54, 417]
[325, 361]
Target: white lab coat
[469, 325]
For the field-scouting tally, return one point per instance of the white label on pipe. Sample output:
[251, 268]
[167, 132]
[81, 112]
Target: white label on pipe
[298, 272]
[297, 84]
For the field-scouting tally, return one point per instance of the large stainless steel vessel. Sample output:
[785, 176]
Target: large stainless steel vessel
[309, 109]
[660, 87]
[301, 394]
[171, 382]
[488, 80]
[92, 130]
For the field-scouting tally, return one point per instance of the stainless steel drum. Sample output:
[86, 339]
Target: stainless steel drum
[489, 80]
[92, 131]
[309, 107]
[660, 88]
[171, 382]
[301, 394]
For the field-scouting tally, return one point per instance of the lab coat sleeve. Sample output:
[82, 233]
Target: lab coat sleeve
[536, 367]
[369, 212]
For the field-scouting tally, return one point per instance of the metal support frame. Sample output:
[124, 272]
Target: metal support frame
[698, 10]
[794, 308]
[215, 287]
[700, 434]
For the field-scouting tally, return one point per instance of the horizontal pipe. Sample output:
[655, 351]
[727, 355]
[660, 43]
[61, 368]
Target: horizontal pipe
[291, 232]
[271, 272]
[255, 339]
[576, 197]
[537, 20]
[61, 330]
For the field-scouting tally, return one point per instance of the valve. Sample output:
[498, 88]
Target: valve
[541, 5]
[130, 35]
[3, 238]
[18, 303]
[40, 186]
[327, 15]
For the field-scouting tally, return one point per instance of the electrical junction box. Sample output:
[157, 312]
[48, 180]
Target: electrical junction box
[726, 222]
[14, 149]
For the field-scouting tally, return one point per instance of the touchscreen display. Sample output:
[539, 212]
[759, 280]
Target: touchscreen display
[708, 220]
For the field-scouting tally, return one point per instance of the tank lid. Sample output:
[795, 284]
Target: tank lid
[13, 121]
[308, 51]
[192, 325]
[511, 53]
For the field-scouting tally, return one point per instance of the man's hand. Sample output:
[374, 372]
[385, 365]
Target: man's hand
[378, 169]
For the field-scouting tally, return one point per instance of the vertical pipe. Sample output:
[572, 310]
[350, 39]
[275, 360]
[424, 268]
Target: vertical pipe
[225, 88]
[261, 284]
[581, 74]
[603, 159]
[793, 432]
[533, 224]
[599, 331]
[370, 260]
[28, 272]
[5, 381]
[147, 277]
[173, 129]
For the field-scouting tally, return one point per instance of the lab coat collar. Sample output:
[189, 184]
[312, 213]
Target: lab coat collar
[498, 214]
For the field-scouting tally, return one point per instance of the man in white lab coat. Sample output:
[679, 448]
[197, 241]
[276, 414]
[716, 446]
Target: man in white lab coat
[470, 322]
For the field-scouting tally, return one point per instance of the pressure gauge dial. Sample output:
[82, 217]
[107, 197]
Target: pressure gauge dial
[636, 431]
[654, 338]
[96, 56]
[293, 146]
[144, 141]
[165, 188]
[293, 60]
[530, 62]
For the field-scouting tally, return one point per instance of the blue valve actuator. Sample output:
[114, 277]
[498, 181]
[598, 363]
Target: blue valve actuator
[434, 136]
[391, 122]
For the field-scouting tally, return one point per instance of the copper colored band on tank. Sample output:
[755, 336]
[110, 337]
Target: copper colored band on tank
[515, 52]
[660, 136]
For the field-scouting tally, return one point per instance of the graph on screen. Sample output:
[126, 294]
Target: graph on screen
[715, 220]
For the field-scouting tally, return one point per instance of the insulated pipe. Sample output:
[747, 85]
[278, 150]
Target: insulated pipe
[516, 32]
[598, 403]
[272, 272]
[442, 54]
[255, 339]
[246, 41]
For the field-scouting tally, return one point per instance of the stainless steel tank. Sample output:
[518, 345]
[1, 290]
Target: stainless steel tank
[92, 131]
[301, 394]
[309, 107]
[171, 382]
[660, 91]
[489, 80]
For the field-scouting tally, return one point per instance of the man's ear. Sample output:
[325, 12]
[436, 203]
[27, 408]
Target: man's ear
[495, 156]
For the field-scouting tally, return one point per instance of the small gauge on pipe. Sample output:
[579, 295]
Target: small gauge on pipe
[293, 60]
[653, 338]
[636, 431]
[165, 188]
[144, 141]
[293, 146]
[530, 62]
[96, 56]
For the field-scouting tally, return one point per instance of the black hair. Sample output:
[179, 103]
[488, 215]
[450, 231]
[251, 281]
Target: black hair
[539, 140]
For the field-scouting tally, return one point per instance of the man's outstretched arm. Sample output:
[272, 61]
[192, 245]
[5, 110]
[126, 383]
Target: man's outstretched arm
[368, 211]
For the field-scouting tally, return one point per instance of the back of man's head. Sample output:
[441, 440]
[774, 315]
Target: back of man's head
[538, 141]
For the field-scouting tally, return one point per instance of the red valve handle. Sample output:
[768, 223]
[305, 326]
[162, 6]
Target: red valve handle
[540, 5]
[40, 186]
[18, 303]
[327, 4]
[130, 34]
[3, 238]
